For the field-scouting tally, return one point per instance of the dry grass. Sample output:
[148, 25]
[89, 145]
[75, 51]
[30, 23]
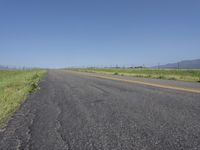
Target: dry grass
[173, 74]
[15, 85]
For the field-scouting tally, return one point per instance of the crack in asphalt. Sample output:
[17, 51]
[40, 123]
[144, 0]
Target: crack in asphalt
[59, 131]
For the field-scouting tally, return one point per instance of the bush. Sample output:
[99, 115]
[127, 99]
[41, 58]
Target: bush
[35, 76]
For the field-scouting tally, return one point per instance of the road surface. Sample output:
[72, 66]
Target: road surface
[74, 111]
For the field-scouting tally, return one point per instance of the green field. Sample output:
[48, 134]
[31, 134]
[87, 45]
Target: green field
[169, 74]
[15, 85]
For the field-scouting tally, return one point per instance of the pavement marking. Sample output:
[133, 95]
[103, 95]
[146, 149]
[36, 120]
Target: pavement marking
[141, 82]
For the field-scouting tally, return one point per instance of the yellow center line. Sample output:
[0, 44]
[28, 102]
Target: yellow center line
[141, 82]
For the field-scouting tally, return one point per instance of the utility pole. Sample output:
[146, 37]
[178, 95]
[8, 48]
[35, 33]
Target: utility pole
[158, 65]
[178, 65]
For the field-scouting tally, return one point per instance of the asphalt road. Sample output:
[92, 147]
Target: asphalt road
[74, 111]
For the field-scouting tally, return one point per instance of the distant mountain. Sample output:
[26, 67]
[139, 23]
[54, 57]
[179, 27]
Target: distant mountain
[3, 67]
[185, 64]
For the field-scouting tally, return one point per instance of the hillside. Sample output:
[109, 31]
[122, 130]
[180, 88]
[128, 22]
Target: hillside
[185, 64]
[3, 67]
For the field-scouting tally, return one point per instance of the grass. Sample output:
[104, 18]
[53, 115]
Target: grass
[169, 74]
[15, 85]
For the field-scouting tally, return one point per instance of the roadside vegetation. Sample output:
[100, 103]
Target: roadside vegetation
[169, 74]
[15, 85]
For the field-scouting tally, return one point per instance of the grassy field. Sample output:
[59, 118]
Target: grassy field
[173, 74]
[15, 85]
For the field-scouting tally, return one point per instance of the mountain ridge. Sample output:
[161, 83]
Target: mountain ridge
[184, 64]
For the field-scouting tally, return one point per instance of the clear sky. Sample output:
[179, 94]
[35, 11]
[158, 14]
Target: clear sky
[63, 33]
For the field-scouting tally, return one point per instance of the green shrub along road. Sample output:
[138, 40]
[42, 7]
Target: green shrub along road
[169, 74]
[15, 85]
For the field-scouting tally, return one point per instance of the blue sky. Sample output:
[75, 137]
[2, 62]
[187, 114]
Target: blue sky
[63, 33]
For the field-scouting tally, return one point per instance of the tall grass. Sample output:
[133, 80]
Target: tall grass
[14, 87]
[169, 74]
